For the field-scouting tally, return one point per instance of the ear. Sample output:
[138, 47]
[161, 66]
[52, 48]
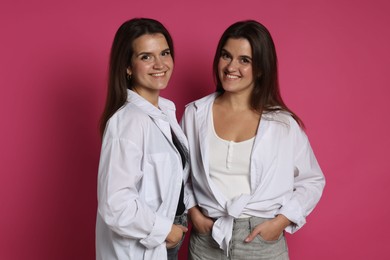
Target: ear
[129, 72]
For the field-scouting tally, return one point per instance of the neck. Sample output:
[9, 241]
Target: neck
[234, 101]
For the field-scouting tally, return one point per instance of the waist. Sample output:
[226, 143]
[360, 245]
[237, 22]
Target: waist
[250, 222]
[247, 221]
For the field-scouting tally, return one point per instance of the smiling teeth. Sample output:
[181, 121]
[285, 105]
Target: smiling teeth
[158, 74]
[231, 76]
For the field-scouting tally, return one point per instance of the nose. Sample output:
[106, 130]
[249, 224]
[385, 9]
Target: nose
[231, 66]
[158, 64]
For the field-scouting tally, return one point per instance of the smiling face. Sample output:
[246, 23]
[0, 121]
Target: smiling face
[151, 64]
[235, 66]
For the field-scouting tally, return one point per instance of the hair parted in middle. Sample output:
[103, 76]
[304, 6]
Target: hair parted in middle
[266, 92]
[120, 60]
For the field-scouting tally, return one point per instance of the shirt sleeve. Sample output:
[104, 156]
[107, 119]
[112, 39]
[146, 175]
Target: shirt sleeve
[119, 203]
[309, 183]
[189, 197]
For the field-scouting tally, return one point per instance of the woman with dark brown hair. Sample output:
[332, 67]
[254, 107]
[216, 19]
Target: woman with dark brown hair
[253, 172]
[144, 155]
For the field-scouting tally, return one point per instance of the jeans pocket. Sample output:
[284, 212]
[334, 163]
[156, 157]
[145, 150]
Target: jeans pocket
[262, 240]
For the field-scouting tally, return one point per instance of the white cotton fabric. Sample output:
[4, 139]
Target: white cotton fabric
[139, 181]
[230, 164]
[285, 177]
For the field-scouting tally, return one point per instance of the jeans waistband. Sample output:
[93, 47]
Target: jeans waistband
[248, 222]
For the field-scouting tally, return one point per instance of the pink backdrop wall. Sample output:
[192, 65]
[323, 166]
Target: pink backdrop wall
[334, 71]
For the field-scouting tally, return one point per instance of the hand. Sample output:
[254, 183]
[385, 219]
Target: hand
[269, 230]
[175, 235]
[200, 222]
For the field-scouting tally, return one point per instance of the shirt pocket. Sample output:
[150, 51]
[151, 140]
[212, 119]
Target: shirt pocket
[156, 178]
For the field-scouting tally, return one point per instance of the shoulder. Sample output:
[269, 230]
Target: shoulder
[282, 119]
[127, 122]
[167, 104]
[202, 102]
[283, 126]
[129, 112]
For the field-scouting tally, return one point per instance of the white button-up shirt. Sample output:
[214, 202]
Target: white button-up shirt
[139, 181]
[285, 177]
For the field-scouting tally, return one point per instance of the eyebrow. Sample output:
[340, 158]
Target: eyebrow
[241, 56]
[149, 53]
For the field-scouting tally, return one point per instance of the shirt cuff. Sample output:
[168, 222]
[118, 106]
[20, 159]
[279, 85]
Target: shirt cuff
[293, 212]
[162, 227]
[189, 201]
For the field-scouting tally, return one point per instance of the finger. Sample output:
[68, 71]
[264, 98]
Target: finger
[251, 236]
[183, 228]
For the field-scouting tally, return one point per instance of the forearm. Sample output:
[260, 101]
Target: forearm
[281, 222]
[200, 222]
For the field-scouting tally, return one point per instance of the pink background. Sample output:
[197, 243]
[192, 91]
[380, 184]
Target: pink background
[334, 71]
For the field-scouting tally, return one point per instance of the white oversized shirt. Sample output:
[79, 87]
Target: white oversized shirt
[139, 181]
[285, 177]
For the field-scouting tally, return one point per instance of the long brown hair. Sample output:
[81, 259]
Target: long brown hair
[266, 92]
[120, 60]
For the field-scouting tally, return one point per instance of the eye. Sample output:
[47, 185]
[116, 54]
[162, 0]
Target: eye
[166, 53]
[225, 56]
[145, 57]
[245, 60]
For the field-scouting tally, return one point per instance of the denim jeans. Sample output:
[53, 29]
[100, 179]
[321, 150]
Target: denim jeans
[173, 252]
[204, 247]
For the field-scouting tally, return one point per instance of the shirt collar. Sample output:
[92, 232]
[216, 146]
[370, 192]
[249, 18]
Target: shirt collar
[200, 103]
[148, 108]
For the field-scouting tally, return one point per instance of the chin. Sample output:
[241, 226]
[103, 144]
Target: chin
[162, 87]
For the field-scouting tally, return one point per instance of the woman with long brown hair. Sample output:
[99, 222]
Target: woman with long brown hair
[253, 172]
[143, 160]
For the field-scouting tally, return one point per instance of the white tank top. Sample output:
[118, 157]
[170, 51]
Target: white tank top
[230, 164]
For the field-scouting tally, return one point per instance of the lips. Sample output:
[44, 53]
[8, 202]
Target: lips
[230, 76]
[161, 74]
